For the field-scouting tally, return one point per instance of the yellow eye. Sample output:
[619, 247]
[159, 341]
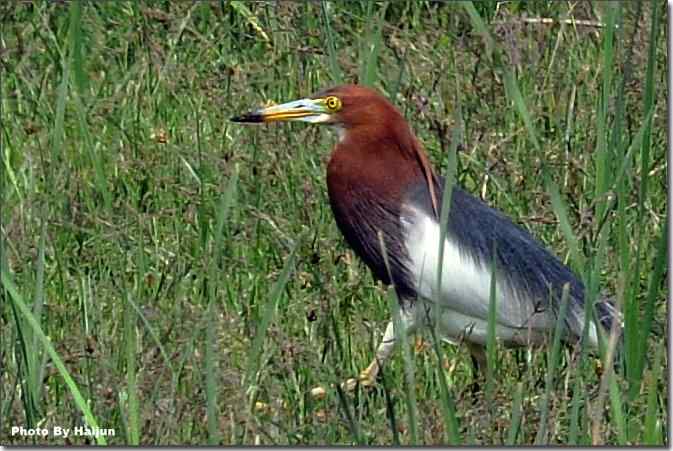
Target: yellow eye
[333, 103]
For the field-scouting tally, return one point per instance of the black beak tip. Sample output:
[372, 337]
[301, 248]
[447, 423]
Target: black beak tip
[248, 117]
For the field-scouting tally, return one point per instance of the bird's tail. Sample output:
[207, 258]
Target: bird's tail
[610, 317]
[607, 313]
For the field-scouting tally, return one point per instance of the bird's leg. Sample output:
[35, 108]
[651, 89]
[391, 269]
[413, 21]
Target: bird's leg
[478, 355]
[367, 377]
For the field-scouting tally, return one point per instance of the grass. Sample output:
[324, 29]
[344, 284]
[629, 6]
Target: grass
[180, 279]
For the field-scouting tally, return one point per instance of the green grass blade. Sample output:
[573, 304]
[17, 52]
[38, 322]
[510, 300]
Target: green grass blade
[353, 425]
[603, 154]
[514, 94]
[515, 424]
[58, 132]
[445, 207]
[608, 387]
[618, 421]
[36, 354]
[409, 370]
[370, 46]
[403, 342]
[267, 313]
[227, 201]
[479, 24]
[652, 435]
[212, 383]
[448, 404]
[552, 364]
[622, 173]
[575, 404]
[564, 223]
[79, 400]
[24, 375]
[76, 63]
[511, 86]
[491, 344]
[451, 427]
[653, 289]
[390, 408]
[335, 69]
[153, 333]
[131, 352]
[75, 37]
[636, 340]
[640, 327]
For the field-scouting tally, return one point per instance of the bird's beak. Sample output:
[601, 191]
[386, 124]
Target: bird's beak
[305, 110]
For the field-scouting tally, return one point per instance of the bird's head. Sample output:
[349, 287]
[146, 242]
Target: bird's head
[345, 107]
[365, 121]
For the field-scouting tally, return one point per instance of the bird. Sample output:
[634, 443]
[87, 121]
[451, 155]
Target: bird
[386, 197]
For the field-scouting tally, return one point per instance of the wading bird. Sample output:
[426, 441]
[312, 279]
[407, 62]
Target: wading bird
[386, 199]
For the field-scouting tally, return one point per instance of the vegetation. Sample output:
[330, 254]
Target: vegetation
[180, 279]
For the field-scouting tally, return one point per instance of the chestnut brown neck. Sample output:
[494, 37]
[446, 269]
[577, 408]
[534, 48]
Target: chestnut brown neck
[383, 159]
[370, 173]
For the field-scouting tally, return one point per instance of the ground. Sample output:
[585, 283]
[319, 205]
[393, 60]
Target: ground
[188, 272]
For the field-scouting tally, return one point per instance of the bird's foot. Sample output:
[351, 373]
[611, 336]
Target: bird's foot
[367, 378]
[363, 380]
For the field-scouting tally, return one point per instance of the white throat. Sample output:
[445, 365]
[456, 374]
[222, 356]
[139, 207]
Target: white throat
[340, 132]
